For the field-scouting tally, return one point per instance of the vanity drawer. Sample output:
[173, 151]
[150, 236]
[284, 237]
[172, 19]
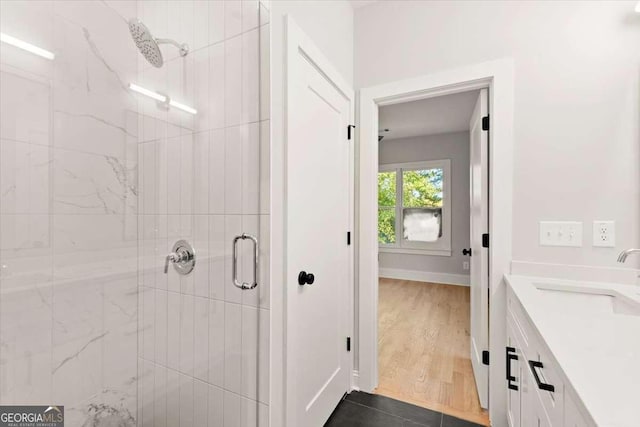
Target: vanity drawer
[514, 371]
[521, 325]
[537, 361]
[544, 368]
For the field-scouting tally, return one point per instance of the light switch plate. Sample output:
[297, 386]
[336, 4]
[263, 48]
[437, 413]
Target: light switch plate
[604, 234]
[561, 233]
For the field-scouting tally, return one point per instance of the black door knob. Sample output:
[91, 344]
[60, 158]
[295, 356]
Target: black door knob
[466, 252]
[305, 278]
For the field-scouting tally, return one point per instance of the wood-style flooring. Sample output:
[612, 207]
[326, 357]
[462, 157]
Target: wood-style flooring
[423, 348]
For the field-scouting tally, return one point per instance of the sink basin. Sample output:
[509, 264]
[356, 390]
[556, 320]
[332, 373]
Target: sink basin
[588, 301]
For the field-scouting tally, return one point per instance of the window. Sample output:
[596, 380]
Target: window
[414, 208]
[387, 207]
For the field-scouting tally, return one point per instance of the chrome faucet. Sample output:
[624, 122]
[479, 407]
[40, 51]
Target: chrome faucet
[624, 254]
[183, 258]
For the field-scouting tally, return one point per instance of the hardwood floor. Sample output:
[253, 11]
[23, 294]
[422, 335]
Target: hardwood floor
[423, 348]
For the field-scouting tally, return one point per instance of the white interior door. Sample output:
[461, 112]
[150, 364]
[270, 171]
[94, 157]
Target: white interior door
[479, 186]
[318, 176]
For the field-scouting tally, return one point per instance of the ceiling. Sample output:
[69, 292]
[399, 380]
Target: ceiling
[432, 116]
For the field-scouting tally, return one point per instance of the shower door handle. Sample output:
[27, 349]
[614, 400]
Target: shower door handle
[236, 282]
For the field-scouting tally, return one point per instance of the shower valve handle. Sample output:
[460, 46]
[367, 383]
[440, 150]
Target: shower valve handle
[172, 257]
[183, 258]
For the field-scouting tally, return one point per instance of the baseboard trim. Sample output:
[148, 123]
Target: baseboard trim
[425, 276]
[355, 380]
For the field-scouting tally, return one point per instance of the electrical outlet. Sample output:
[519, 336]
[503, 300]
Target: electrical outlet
[604, 234]
[465, 265]
[561, 233]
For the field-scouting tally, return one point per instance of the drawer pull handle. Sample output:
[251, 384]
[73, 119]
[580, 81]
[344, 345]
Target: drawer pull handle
[533, 364]
[511, 355]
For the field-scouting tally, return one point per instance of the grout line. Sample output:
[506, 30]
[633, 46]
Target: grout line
[396, 415]
[375, 409]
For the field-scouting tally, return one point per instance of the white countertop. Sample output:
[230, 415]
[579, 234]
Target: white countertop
[598, 352]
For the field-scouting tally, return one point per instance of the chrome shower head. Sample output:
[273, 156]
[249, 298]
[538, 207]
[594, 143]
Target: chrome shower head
[145, 42]
[148, 45]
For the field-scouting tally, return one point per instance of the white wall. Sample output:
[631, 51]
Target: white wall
[577, 103]
[329, 24]
[454, 146]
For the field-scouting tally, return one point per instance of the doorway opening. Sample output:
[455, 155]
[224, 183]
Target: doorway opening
[432, 213]
[497, 77]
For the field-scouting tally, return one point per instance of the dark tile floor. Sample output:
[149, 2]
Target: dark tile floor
[359, 409]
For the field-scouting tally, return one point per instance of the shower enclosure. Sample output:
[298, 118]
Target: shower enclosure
[110, 166]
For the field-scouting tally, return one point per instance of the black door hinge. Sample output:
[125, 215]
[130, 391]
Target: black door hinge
[485, 122]
[348, 238]
[485, 240]
[485, 357]
[348, 343]
[349, 131]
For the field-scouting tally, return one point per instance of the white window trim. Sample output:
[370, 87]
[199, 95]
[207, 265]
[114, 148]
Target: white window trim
[443, 246]
[409, 251]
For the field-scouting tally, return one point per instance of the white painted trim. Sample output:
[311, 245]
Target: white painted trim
[411, 251]
[424, 164]
[355, 380]
[498, 77]
[266, 4]
[277, 343]
[425, 276]
[627, 276]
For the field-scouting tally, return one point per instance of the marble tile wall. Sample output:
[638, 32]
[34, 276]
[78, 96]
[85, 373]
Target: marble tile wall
[96, 183]
[68, 210]
[204, 344]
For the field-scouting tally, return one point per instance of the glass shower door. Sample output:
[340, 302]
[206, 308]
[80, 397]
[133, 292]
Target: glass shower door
[99, 181]
[203, 342]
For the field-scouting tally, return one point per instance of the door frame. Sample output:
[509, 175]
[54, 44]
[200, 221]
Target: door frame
[498, 77]
[294, 39]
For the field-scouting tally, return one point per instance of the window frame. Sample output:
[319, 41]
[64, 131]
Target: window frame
[443, 246]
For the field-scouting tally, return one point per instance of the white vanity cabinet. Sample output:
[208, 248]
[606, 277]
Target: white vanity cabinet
[538, 395]
[514, 375]
[572, 415]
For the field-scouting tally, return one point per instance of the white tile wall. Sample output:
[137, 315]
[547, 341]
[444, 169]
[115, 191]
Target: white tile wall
[202, 178]
[97, 183]
[68, 206]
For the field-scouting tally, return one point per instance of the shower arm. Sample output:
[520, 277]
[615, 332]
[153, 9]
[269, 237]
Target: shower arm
[184, 49]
